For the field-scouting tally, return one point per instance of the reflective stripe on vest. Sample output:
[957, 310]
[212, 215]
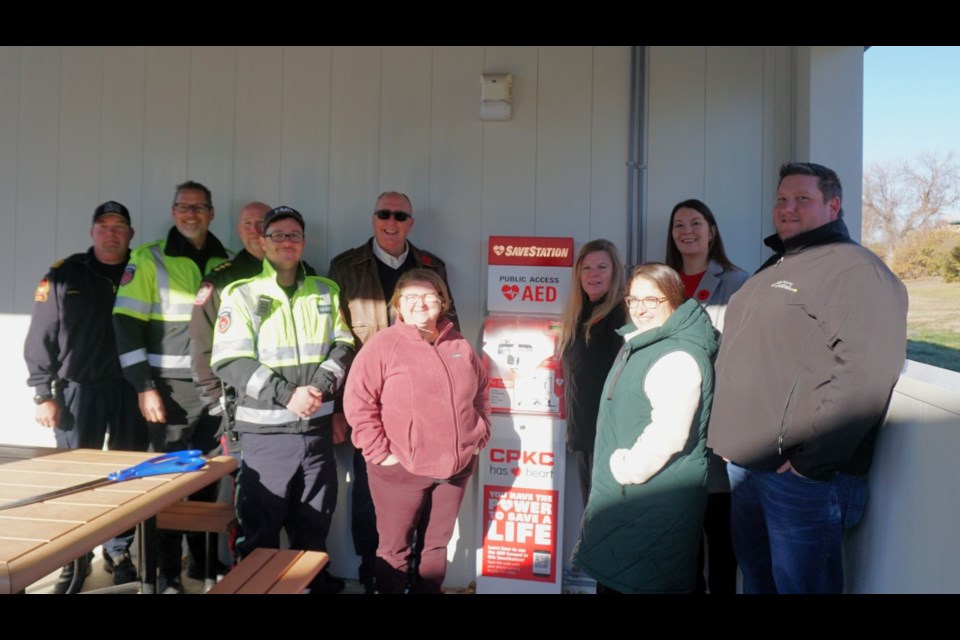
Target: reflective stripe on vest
[166, 361]
[256, 382]
[167, 309]
[276, 417]
[132, 357]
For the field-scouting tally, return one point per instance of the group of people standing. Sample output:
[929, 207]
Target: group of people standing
[738, 414]
[786, 377]
[180, 344]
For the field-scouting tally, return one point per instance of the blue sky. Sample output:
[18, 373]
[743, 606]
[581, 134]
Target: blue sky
[911, 102]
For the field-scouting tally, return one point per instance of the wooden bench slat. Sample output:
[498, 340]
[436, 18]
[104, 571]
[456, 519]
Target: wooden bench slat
[241, 573]
[279, 564]
[297, 577]
[273, 571]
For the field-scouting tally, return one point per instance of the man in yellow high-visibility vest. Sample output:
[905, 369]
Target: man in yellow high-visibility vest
[151, 319]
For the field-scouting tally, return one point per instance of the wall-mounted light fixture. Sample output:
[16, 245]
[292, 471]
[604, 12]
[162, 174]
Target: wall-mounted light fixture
[496, 95]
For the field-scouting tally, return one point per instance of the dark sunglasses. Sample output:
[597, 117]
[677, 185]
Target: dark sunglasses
[399, 216]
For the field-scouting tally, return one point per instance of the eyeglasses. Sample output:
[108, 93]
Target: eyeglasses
[399, 216]
[295, 237]
[414, 298]
[649, 303]
[180, 207]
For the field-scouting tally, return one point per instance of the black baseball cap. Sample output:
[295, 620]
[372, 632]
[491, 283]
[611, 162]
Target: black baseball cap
[111, 206]
[279, 213]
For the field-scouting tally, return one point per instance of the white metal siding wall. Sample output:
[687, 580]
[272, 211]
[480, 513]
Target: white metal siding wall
[718, 125]
[323, 129]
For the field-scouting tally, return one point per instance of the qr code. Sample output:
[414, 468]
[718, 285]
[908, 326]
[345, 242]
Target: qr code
[542, 563]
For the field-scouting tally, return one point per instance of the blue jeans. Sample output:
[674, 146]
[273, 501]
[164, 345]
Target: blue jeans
[787, 530]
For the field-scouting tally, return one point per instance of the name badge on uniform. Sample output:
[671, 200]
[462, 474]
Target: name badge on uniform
[323, 305]
[263, 305]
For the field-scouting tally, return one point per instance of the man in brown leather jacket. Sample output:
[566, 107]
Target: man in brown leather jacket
[367, 276]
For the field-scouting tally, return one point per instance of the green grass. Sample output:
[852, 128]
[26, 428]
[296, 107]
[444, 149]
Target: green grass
[933, 324]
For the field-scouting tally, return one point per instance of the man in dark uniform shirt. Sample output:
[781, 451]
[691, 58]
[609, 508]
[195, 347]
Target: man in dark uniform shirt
[247, 263]
[72, 359]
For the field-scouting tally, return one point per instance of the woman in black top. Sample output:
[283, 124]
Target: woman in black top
[589, 344]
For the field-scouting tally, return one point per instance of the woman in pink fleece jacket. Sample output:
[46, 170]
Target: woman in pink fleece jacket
[418, 402]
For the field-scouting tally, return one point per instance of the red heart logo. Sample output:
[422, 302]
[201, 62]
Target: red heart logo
[515, 471]
[510, 291]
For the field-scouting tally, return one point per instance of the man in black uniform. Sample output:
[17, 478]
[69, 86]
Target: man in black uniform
[72, 359]
[247, 263]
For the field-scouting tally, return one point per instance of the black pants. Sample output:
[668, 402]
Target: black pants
[363, 520]
[286, 481]
[92, 411]
[721, 563]
[584, 473]
[188, 426]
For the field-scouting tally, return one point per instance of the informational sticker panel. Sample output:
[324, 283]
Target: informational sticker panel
[528, 275]
[521, 492]
[519, 353]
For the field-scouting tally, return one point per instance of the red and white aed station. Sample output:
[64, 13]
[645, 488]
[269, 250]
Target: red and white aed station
[522, 470]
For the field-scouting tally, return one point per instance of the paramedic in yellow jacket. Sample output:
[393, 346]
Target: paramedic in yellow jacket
[281, 341]
[151, 319]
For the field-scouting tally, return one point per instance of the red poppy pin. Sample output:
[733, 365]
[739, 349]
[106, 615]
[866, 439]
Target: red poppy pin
[425, 259]
[703, 294]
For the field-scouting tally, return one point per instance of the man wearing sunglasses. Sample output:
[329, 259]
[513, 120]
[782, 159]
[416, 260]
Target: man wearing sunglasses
[151, 320]
[367, 276]
[282, 342]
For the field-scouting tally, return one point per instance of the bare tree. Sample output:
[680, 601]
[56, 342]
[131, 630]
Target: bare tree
[905, 196]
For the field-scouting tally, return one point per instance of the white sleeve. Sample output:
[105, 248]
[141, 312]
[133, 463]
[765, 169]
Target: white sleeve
[673, 387]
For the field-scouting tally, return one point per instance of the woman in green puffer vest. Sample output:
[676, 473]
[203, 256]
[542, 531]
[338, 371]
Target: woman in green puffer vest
[641, 528]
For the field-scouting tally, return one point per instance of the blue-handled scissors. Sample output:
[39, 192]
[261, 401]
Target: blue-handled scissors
[176, 462]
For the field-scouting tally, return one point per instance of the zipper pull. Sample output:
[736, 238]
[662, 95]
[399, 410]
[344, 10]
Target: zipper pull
[780, 445]
[778, 262]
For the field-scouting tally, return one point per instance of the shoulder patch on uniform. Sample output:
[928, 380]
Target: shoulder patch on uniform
[57, 264]
[203, 294]
[128, 274]
[223, 320]
[222, 266]
[42, 291]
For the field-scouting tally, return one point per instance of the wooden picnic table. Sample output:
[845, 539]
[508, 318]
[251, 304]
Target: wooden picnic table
[39, 538]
